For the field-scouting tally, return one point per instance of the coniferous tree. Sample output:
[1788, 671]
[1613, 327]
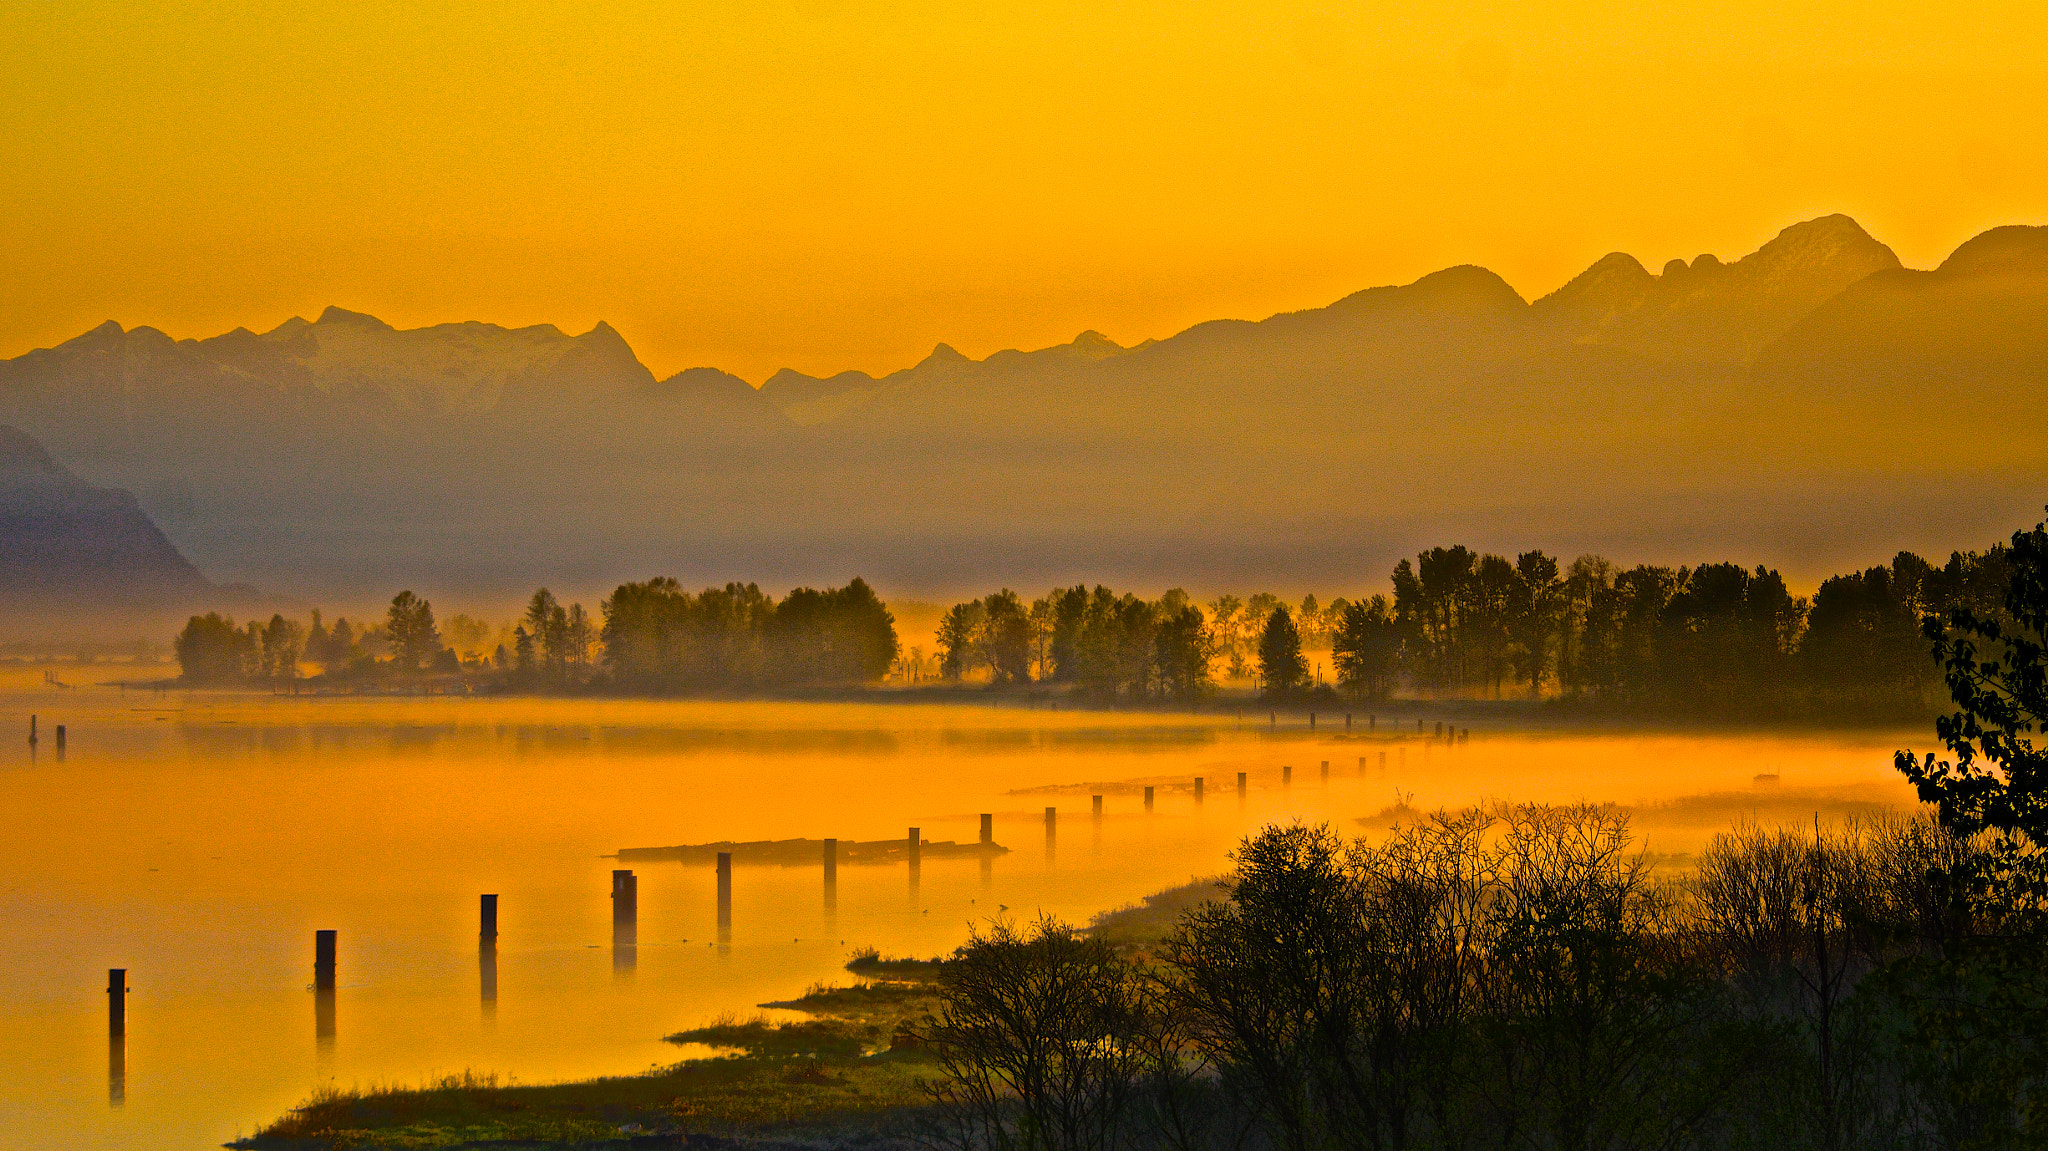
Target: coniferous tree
[1281, 665]
[415, 640]
[1366, 649]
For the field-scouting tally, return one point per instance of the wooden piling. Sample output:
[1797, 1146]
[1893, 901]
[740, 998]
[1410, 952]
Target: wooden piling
[60, 737]
[1287, 775]
[1097, 812]
[1198, 791]
[117, 1002]
[988, 830]
[724, 894]
[911, 848]
[323, 960]
[31, 730]
[1240, 785]
[1326, 771]
[831, 876]
[625, 909]
[487, 919]
[1311, 721]
[1347, 721]
[1148, 801]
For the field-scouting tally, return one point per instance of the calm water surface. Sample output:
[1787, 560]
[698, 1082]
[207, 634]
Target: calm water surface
[200, 839]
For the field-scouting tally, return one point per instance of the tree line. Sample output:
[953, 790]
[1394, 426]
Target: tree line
[650, 636]
[1719, 637]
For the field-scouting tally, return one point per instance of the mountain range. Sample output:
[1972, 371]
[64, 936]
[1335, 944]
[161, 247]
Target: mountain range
[1813, 404]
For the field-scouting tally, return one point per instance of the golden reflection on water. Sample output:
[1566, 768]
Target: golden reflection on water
[201, 839]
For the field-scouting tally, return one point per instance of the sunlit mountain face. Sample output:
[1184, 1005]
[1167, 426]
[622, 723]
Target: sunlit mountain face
[1813, 402]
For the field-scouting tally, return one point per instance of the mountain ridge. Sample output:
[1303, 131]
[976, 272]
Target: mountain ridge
[1626, 410]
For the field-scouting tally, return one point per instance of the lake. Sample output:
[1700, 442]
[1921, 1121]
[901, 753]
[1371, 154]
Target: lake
[200, 839]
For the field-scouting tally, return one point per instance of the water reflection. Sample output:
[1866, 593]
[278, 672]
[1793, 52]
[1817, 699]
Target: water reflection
[323, 1019]
[487, 976]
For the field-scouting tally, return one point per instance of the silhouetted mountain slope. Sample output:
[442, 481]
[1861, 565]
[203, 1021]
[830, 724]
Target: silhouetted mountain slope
[63, 540]
[1708, 310]
[1773, 397]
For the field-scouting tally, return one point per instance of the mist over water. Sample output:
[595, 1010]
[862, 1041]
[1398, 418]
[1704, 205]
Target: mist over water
[199, 840]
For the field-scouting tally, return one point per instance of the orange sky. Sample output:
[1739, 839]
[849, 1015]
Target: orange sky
[827, 184]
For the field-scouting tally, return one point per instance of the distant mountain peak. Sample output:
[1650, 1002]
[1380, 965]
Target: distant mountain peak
[1823, 245]
[1093, 345]
[944, 355]
[334, 315]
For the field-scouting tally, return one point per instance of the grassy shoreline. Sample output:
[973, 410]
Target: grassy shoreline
[847, 1074]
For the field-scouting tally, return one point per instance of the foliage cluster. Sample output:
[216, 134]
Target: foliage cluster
[1511, 976]
[1107, 646]
[658, 637]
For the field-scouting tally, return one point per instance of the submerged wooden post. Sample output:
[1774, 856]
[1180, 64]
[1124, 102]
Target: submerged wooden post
[1361, 762]
[1326, 771]
[1240, 785]
[1098, 806]
[323, 960]
[1287, 775]
[831, 876]
[31, 730]
[487, 917]
[1347, 721]
[1311, 721]
[1148, 801]
[1198, 791]
[60, 737]
[117, 1001]
[1383, 761]
[912, 848]
[988, 831]
[724, 896]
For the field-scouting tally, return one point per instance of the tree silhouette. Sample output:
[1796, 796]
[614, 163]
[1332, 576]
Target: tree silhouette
[1281, 665]
[1997, 673]
[415, 639]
